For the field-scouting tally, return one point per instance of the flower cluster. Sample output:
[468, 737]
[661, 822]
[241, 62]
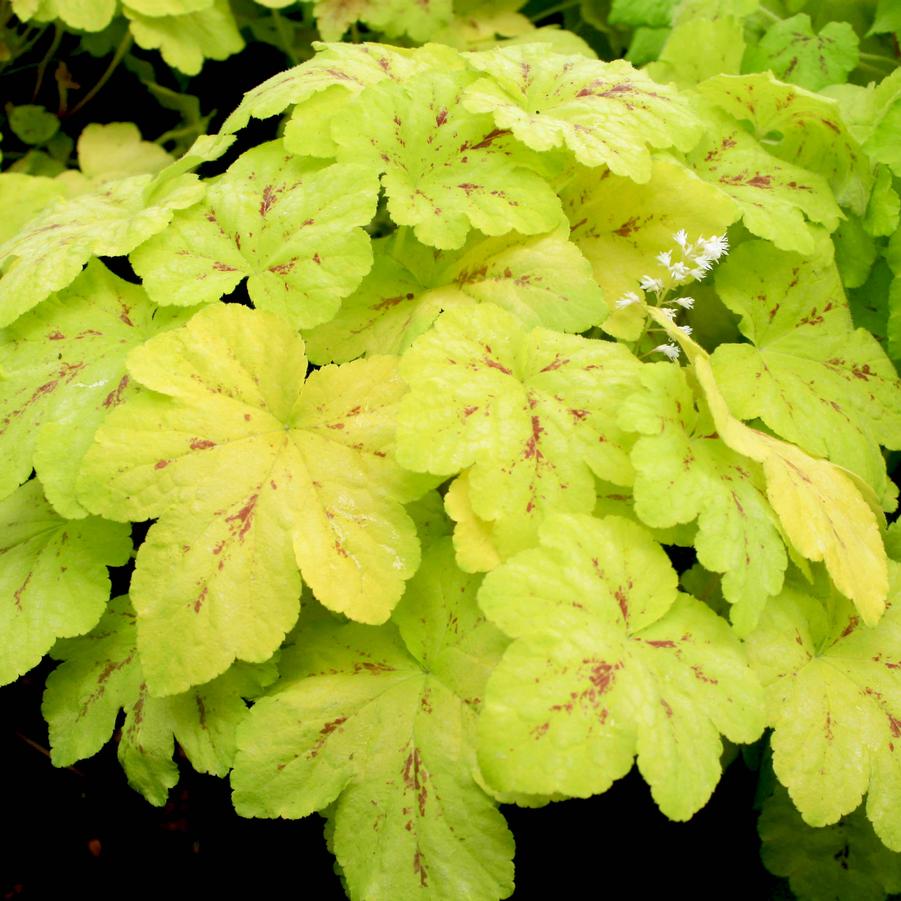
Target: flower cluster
[690, 261]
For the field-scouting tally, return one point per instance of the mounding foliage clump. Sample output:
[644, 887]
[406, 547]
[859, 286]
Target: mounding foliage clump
[511, 418]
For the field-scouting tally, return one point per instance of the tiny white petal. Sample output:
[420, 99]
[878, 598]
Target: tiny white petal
[649, 283]
[681, 238]
[669, 350]
[629, 298]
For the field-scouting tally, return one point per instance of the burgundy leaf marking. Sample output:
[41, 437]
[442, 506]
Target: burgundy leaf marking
[324, 733]
[243, 519]
[114, 398]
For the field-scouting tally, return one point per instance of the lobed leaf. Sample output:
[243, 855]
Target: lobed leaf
[291, 227]
[101, 674]
[834, 701]
[253, 473]
[609, 661]
[445, 170]
[64, 369]
[384, 733]
[111, 221]
[543, 281]
[605, 113]
[532, 412]
[53, 581]
[809, 374]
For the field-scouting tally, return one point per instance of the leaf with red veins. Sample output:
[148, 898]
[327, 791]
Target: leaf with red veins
[378, 725]
[351, 67]
[834, 701]
[445, 170]
[684, 472]
[101, 675]
[810, 128]
[292, 227]
[532, 412]
[809, 374]
[53, 579]
[779, 201]
[251, 478]
[608, 662]
[606, 113]
[64, 369]
[543, 280]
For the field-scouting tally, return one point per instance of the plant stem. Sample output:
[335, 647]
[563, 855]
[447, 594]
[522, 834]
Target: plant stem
[285, 37]
[121, 50]
[42, 65]
[553, 10]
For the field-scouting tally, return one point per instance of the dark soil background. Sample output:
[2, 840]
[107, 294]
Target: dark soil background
[82, 829]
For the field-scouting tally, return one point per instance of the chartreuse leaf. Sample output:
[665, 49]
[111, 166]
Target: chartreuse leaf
[64, 369]
[792, 51]
[22, 197]
[477, 23]
[844, 861]
[888, 18]
[533, 412]
[53, 582]
[884, 205]
[834, 701]
[800, 127]
[167, 7]
[385, 734]
[253, 473]
[652, 13]
[421, 20]
[49, 252]
[480, 544]
[723, 42]
[684, 472]
[809, 375]
[101, 674]
[621, 226]
[825, 511]
[776, 198]
[609, 661]
[544, 281]
[185, 41]
[32, 124]
[446, 170]
[291, 226]
[605, 113]
[87, 15]
[351, 67]
[106, 152]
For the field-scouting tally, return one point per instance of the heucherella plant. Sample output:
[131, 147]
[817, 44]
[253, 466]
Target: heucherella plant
[428, 402]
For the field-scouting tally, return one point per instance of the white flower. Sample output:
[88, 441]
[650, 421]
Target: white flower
[716, 246]
[670, 314]
[681, 238]
[627, 300]
[678, 271]
[668, 350]
[685, 302]
[685, 329]
[698, 274]
[665, 258]
[649, 283]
